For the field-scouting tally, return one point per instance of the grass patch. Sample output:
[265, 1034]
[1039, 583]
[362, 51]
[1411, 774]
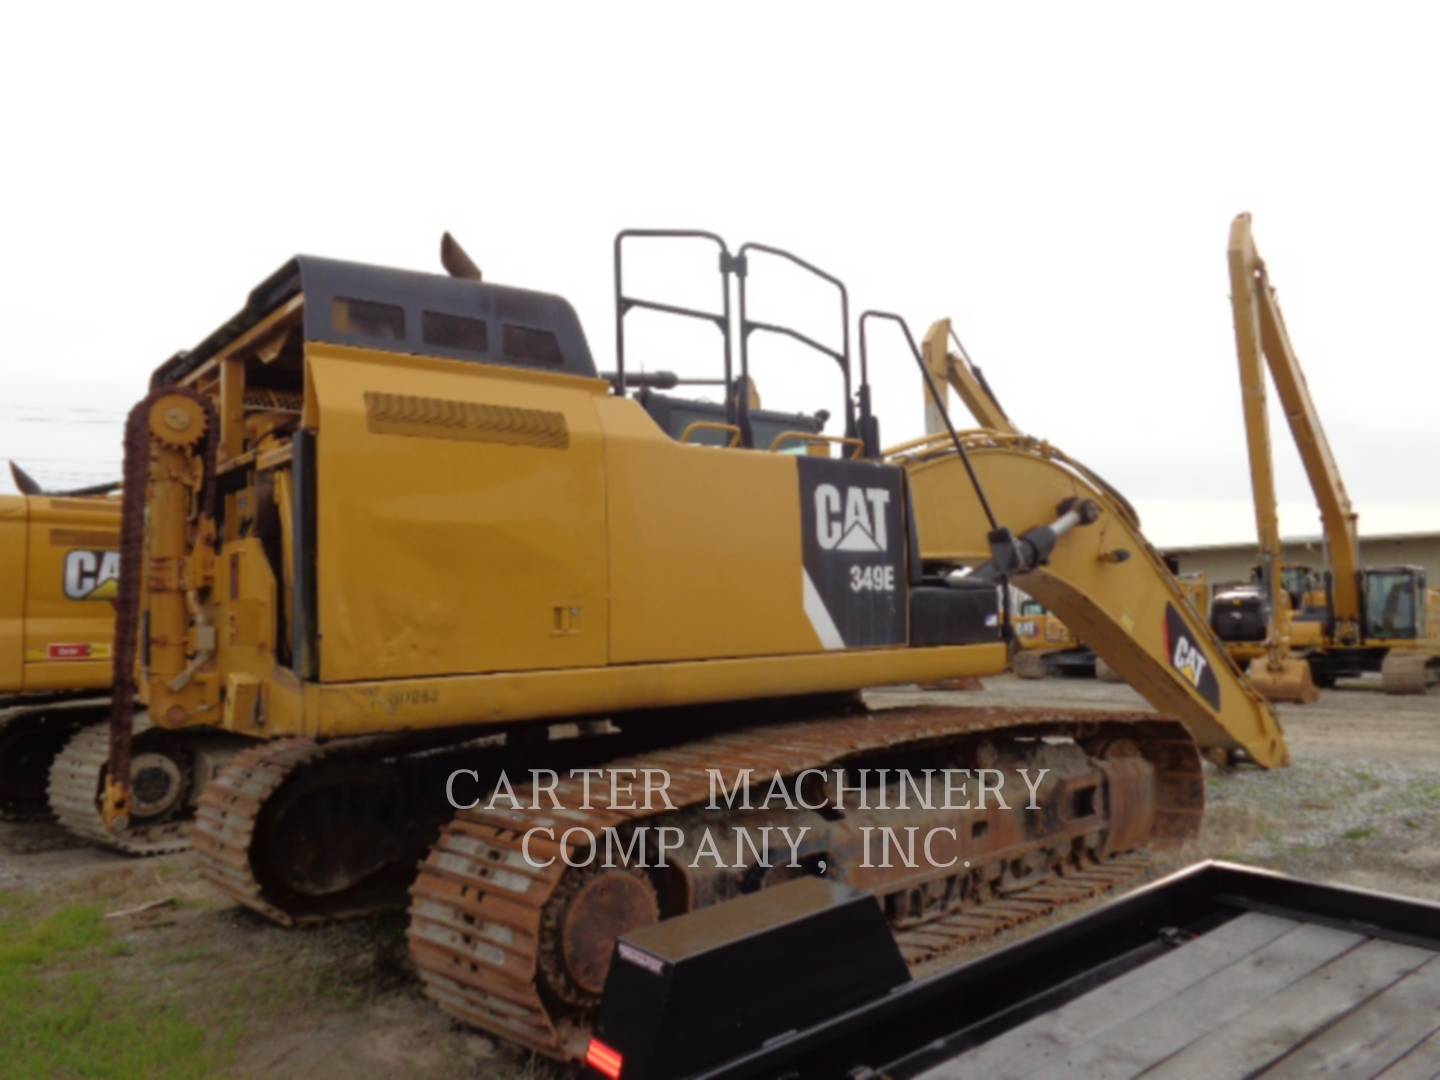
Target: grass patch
[62, 1014]
[1362, 833]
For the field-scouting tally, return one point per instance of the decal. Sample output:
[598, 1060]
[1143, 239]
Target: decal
[91, 574]
[632, 955]
[861, 526]
[853, 552]
[819, 616]
[72, 650]
[1189, 659]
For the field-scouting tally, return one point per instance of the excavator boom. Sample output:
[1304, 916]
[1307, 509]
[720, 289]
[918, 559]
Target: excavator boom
[1105, 582]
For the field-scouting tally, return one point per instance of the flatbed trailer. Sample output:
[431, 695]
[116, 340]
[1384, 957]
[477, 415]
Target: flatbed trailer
[1217, 971]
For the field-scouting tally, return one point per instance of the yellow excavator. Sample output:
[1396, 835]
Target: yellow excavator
[1044, 645]
[59, 568]
[392, 539]
[1373, 618]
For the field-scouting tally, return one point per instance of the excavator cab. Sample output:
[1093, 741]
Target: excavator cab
[1241, 613]
[1395, 603]
[1299, 582]
[740, 421]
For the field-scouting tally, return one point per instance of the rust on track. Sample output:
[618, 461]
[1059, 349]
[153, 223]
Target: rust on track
[488, 930]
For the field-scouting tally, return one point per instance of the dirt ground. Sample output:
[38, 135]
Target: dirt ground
[1360, 805]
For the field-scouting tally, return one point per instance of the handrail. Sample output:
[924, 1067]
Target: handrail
[624, 303]
[748, 325]
[935, 396]
[732, 430]
[857, 446]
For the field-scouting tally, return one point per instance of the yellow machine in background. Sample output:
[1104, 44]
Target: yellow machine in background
[1239, 613]
[1044, 645]
[59, 569]
[1376, 618]
[382, 526]
[1278, 672]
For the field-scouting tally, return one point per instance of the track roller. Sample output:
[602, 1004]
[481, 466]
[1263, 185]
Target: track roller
[1409, 672]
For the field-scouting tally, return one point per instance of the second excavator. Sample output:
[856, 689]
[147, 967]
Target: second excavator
[1368, 618]
[390, 537]
[59, 569]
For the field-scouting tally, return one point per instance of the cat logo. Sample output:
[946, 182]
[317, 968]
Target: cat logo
[852, 551]
[1189, 659]
[855, 522]
[92, 575]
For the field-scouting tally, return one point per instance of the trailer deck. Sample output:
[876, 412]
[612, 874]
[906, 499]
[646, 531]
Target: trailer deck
[1217, 971]
[1261, 995]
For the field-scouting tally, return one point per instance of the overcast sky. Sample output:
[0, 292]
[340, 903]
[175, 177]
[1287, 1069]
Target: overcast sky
[1059, 179]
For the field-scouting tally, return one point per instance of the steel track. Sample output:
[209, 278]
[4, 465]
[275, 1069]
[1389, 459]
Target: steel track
[76, 779]
[483, 924]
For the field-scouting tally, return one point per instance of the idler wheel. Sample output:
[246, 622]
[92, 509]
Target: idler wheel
[157, 785]
[581, 922]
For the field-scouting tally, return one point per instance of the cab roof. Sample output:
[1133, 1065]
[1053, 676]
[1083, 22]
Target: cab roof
[406, 311]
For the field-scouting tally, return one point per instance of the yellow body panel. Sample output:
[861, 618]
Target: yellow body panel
[705, 547]
[367, 707]
[59, 564]
[444, 556]
[441, 555]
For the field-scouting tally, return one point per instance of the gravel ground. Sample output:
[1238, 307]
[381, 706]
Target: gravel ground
[1360, 804]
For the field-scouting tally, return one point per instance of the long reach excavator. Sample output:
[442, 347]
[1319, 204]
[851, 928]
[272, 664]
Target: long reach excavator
[392, 543]
[1368, 618]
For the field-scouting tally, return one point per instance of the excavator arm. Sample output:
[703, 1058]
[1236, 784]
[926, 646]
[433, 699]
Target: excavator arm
[1260, 328]
[1104, 581]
